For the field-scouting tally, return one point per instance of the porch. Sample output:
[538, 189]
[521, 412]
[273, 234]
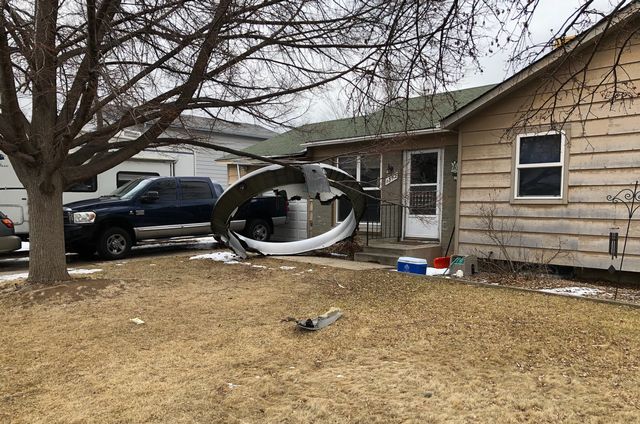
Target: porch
[385, 241]
[387, 251]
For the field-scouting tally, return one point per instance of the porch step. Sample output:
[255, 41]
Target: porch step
[379, 258]
[388, 253]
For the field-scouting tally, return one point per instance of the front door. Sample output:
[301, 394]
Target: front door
[422, 194]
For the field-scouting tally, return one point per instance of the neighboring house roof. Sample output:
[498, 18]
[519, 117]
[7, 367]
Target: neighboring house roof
[414, 114]
[204, 124]
[207, 124]
[556, 56]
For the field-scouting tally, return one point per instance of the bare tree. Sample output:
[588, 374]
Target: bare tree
[87, 69]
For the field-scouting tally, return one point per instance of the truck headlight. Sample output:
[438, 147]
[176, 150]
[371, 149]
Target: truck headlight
[83, 217]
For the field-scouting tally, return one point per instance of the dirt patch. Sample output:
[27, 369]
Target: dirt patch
[65, 292]
[216, 346]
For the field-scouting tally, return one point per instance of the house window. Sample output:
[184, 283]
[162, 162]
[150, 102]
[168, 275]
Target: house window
[124, 177]
[539, 166]
[90, 185]
[365, 169]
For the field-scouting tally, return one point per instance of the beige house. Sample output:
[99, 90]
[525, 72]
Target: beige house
[540, 153]
[522, 169]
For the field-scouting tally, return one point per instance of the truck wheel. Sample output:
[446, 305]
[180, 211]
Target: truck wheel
[258, 229]
[114, 243]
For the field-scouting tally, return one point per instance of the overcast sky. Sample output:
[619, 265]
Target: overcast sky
[549, 17]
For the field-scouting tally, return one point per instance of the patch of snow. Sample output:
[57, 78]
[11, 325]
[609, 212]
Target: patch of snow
[23, 275]
[339, 255]
[573, 291]
[287, 268]
[24, 247]
[83, 271]
[218, 257]
[10, 277]
[194, 243]
[237, 263]
[437, 271]
[11, 260]
[258, 266]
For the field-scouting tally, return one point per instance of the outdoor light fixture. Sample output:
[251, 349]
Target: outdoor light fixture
[389, 169]
[454, 169]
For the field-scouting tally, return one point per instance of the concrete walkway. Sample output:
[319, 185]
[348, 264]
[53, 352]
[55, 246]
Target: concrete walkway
[333, 262]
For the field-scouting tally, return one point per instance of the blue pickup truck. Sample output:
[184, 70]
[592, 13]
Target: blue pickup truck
[157, 208]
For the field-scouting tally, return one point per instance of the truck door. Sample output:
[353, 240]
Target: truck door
[162, 217]
[197, 204]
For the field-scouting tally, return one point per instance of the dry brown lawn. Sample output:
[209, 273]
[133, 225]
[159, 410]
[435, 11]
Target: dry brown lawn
[215, 348]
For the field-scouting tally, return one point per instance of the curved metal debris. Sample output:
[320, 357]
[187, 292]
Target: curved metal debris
[318, 178]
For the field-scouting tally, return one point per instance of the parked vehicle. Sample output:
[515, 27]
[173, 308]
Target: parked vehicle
[148, 163]
[257, 217]
[145, 208]
[153, 208]
[8, 239]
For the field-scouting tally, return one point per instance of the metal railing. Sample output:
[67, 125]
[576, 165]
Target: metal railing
[388, 225]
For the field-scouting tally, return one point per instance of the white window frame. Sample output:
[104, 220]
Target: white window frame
[357, 177]
[560, 164]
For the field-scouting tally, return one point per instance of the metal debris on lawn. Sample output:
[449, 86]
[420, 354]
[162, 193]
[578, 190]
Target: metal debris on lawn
[318, 323]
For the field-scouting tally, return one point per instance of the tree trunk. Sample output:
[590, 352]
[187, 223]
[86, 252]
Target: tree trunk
[47, 262]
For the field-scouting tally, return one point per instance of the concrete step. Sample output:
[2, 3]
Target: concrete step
[388, 253]
[379, 258]
[418, 251]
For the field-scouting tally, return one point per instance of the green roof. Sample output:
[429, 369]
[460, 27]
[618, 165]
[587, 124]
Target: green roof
[416, 113]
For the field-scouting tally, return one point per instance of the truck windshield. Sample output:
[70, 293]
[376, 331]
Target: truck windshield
[130, 189]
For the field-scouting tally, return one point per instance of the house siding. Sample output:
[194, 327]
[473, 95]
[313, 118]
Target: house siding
[603, 148]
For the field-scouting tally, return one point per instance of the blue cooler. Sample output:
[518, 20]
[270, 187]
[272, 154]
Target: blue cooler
[412, 265]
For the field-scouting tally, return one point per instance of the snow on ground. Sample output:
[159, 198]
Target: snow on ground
[13, 260]
[437, 271]
[83, 271]
[226, 257]
[193, 242]
[430, 271]
[287, 268]
[573, 291]
[22, 275]
[24, 248]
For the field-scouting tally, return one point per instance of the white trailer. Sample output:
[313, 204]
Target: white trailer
[152, 162]
[169, 161]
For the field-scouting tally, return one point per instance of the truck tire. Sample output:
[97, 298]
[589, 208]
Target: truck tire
[258, 229]
[114, 243]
